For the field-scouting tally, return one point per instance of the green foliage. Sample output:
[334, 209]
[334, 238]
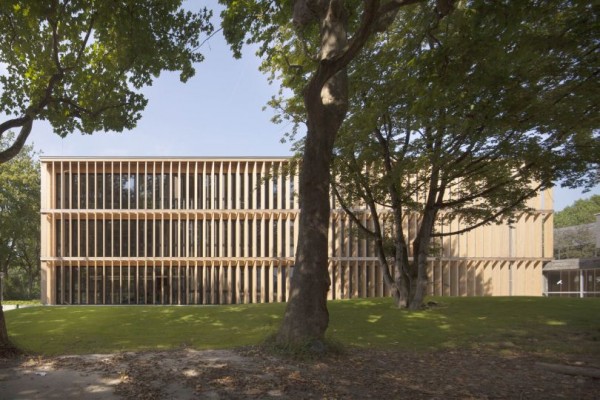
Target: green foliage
[268, 24]
[20, 223]
[466, 117]
[574, 233]
[80, 64]
[460, 98]
[585, 250]
[581, 212]
[290, 53]
[546, 326]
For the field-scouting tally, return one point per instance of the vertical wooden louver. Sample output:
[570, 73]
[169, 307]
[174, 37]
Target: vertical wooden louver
[223, 230]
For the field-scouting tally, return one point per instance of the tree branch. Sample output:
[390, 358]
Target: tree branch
[491, 218]
[86, 38]
[55, 38]
[388, 11]
[486, 191]
[349, 212]
[19, 142]
[84, 110]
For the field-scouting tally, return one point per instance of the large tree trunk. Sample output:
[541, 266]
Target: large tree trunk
[400, 290]
[401, 265]
[306, 317]
[419, 285]
[326, 101]
[7, 349]
[420, 252]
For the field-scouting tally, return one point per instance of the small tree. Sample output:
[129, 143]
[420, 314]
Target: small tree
[465, 119]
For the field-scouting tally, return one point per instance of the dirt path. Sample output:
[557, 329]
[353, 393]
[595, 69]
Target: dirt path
[252, 374]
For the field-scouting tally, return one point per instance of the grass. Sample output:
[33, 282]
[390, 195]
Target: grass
[21, 302]
[546, 326]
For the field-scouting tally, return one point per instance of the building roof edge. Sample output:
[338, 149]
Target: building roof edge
[165, 158]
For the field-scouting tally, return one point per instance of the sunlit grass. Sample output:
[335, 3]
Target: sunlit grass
[539, 325]
[91, 329]
[20, 302]
[546, 326]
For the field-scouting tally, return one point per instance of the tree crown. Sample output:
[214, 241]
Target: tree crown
[80, 64]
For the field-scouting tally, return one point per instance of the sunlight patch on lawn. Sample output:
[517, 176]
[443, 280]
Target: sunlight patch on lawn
[373, 318]
[555, 323]
[188, 318]
[423, 315]
[364, 302]
[236, 309]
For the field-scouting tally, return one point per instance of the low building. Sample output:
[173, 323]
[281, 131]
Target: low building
[576, 270]
[575, 277]
[133, 230]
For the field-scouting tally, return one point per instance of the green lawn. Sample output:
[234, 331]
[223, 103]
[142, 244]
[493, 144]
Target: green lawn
[547, 326]
[21, 302]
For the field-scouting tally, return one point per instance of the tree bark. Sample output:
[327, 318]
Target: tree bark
[421, 251]
[306, 317]
[326, 102]
[419, 285]
[400, 289]
[7, 349]
[326, 99]
[10, 152]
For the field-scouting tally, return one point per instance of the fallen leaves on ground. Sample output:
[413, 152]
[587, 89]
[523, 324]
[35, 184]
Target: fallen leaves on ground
[251, 373]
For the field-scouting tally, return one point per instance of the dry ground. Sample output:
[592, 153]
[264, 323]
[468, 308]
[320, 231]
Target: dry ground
[252, 374]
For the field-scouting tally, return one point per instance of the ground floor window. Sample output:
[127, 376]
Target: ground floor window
[573, 283]
[179, 284]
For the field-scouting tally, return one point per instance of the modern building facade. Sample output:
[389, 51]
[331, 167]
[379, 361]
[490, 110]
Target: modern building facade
[223, 230]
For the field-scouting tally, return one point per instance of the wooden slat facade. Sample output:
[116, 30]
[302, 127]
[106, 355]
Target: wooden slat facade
[223, 231]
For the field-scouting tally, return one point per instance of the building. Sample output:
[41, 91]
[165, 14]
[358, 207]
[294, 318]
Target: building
[576, 270]
[132, 230]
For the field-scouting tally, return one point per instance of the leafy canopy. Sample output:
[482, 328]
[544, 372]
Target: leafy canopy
[583, 211]
[492, 101]
[465, 118]
[19, 220]
[79, 64]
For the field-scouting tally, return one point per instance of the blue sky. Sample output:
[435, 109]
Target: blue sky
[216, 113]
[219, 112]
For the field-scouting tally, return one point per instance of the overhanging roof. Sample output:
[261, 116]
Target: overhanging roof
[573, 263]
